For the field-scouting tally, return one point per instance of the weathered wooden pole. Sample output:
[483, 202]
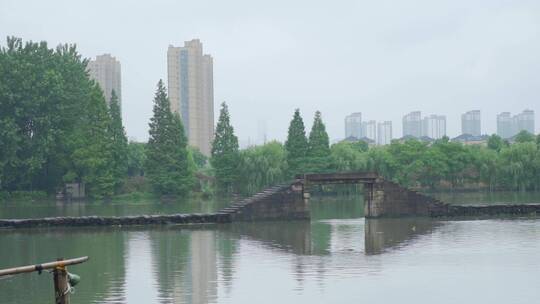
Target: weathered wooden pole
[60, 275]
[61, 284]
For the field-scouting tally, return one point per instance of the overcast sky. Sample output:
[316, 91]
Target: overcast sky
[381, 58]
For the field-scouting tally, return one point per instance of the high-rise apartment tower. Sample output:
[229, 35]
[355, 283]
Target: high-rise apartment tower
[353, 125]
[384, 133]
[470, 123]
[191, 92]
[106, 71]
[412, 124]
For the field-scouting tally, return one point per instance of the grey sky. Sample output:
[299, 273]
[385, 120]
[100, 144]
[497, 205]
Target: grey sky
[382, 58]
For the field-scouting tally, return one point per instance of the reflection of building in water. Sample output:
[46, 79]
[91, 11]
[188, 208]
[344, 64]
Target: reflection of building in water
[203, 268]
[186, 265]
[139, 279]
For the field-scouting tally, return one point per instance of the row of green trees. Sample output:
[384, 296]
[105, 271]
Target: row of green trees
[55, 126]
[413, 163]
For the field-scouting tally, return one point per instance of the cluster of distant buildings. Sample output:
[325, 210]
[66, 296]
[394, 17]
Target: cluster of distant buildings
[190, 88]
[432, 127]
[368, 131]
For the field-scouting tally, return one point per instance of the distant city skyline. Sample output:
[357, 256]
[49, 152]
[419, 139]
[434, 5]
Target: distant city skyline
[452, 57]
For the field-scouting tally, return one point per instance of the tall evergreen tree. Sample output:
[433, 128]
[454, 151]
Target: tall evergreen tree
[318, 146]
[167, 167]
[119, 141]
[296, 145]
[225, 155]
[92, 159]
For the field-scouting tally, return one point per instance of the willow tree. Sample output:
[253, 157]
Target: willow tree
[225, 153]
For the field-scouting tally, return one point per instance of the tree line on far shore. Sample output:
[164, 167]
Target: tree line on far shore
[56, 128]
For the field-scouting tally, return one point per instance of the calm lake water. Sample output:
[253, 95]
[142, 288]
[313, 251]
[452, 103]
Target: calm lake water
[338, 257]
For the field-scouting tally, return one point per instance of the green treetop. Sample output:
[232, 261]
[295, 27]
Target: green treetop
[524, 136]
[296, 144]
[119, 141]
[225, 155]
[495, 142]
[168, 166]
[319, 145]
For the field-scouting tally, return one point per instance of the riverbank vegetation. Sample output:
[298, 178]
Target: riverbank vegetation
[57, 128]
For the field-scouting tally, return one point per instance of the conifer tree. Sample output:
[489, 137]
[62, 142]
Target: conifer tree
[296, 145]
[319, 146]
[119, 141]
[91, 143]
[225, 155]
[167, 165]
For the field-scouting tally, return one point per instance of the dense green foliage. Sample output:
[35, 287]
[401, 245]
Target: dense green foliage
[120, 144]
[200, 159]
[296, 145]
[136, 157]
[168, 167]
[54, 122]
[225, 154]
[413, 163]
[262, 166]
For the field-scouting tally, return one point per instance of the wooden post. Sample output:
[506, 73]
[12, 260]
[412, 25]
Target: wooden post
[61, 284]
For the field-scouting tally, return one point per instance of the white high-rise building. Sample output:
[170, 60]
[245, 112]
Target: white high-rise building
[470, 123]
[106, 71]
[384, 133]
[434, 126]
[369, 130]
[353, 125]
[508, 125]
[412, 124]
[191, 92]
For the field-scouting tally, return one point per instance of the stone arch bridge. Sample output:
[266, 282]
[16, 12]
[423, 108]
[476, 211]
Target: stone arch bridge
[291, 200]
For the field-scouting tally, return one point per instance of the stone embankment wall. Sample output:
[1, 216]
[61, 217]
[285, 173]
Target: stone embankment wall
[116, 221]
[492, 210]
[283, 202]
[388, 199]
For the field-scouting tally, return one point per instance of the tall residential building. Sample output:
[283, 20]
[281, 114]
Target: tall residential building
[191, 92]
[369, 130]
[524, 121]
[508, 126]
[353, 125]
[412, 124]
[106, 71]
[434, 126]
[505, 125]
[470, 123]
[384, 133]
